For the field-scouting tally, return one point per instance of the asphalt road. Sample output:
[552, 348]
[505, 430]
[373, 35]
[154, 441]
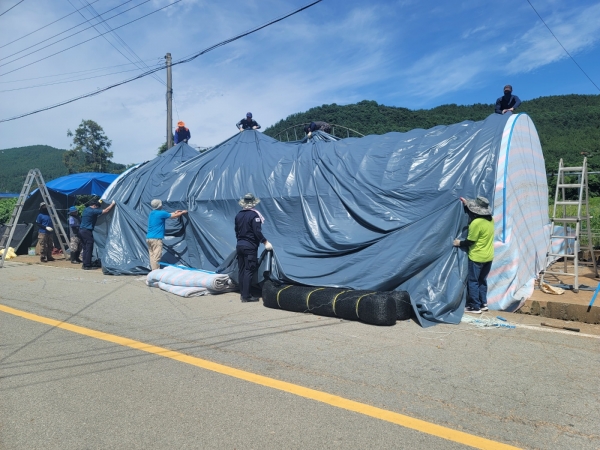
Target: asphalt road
[73, 389]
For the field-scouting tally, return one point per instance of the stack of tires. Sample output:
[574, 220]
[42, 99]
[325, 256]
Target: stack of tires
[372, 307]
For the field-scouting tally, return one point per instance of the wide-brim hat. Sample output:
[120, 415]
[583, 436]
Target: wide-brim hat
[249, 201]
[480, 206]
[72, 210]
[156, 204]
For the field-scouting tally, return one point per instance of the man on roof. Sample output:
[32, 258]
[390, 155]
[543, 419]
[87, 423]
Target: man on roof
[318, 125]
[182, 134]
[248, 123]
[508, 102]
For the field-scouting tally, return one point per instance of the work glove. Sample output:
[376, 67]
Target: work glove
[49, 229]
[268, 246]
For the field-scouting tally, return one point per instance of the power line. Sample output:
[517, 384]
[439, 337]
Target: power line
[69, 81]
[12, 7]
[99, 69]
[41, 28]
[183, 61]
[123, 43]
[91, 39]
[119, 40]
[67, 37]
[563, 47]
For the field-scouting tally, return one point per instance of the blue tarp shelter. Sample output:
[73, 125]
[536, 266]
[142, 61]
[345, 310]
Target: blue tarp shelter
[377, 213]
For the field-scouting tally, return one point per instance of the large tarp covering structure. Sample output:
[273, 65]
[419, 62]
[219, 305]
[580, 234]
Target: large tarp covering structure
[378, 212]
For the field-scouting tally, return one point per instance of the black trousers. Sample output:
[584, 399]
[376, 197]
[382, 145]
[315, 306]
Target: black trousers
[247, 258]
[88, 246]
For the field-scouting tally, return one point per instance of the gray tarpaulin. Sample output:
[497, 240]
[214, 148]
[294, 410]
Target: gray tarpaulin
[378, 212]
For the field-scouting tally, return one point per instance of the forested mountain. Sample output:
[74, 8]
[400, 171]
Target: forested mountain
[567, 125]
[15, 163]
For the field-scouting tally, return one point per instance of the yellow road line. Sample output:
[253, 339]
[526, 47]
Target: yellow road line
[323, 397]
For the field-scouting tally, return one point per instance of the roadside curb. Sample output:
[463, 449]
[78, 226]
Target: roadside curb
[562, 311]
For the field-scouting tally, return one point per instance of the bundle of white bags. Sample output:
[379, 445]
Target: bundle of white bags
[189, 283]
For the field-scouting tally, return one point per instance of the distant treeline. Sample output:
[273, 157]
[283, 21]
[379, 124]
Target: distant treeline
[15, 163]
[568, 125]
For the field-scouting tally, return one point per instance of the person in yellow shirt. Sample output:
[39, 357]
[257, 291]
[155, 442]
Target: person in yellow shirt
[480, 242]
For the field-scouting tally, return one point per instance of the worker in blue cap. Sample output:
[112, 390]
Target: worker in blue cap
[248, 123]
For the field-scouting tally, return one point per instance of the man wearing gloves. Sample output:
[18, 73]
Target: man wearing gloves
[45, 234]
[156, 231]
[248, 123]
[480, 244]
[248, 231]
[86, 228]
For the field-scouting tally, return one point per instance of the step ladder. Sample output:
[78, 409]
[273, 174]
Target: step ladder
[575, 225]
[34, 175]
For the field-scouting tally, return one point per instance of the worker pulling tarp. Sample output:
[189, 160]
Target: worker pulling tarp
[376, 213]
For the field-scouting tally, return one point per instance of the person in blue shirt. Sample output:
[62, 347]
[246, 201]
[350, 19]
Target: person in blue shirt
[75, 240]
[182, 134]
[156, 231]
[248, 232]
[508, 102]
[88, 222]
[45, 234]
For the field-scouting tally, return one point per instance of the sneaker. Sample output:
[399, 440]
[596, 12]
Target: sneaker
[472, 310]
[484, 308]
[251, 299]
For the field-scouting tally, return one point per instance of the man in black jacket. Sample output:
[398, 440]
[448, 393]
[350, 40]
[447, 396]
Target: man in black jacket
[508, 102]
[248, 232]
[248, 123]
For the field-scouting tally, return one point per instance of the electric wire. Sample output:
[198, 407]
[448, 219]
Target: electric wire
[99, 69]
[91, 39]
[69, 81]
[563, 47]
[66, 37]
[182, 61]
[12, 7]
[119, 40]
[41, 28]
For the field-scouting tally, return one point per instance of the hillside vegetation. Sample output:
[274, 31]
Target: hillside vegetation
[567, 124]
[15, 163]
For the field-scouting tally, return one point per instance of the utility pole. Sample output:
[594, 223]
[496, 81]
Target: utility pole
[169, 103]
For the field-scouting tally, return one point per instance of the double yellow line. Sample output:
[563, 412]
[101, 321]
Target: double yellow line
[323, 397]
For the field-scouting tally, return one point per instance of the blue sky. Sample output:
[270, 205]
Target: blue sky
[413, 54]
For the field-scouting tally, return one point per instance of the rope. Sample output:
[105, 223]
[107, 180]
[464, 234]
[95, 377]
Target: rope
[335, 299]
[280, 291]
[308, 297]
[358, 301]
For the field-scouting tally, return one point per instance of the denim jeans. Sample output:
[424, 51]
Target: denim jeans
[477, 284]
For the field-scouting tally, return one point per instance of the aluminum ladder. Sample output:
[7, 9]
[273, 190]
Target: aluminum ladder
[581, 221]
[33, 175]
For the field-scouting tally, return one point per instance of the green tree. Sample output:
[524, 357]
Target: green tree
[89, 151]
[7, 205]
[163, 148]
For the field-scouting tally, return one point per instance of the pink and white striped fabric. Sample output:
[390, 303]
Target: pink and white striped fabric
[522, 225]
